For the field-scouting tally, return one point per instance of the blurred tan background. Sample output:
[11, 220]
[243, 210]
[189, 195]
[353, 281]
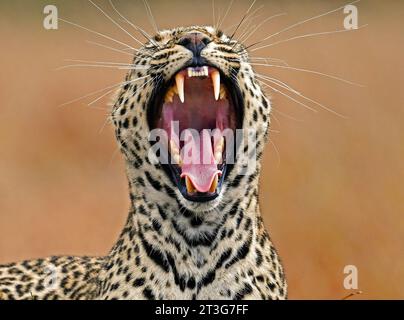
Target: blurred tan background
[331, 196]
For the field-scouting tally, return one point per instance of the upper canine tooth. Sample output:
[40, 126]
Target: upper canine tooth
[216, 83]
[180, 80]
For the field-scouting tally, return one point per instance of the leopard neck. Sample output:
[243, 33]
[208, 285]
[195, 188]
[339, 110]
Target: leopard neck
[160, 226]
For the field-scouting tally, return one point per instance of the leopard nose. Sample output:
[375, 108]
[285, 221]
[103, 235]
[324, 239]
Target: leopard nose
[195, 42]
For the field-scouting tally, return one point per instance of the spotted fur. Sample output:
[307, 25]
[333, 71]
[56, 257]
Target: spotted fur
[171, 248]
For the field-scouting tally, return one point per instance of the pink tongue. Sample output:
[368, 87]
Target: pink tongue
[198, 161]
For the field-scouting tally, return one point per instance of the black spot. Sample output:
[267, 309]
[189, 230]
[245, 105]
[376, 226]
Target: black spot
[243, 292]
[191, 283]
[240, 218]
[128, 278]
[226, 255]
[234, 208]
[126, 123]
[148, 294]
[135, 121]
[208, 279]
[264, 103]
[179, 281]
[241, 253]
[162, 213]
[139, 282]
[141, 209]
[156, 225]
[155, 254]
[140, 181]
[155, 184]
[196, 222]
[255, 115]
[259, 258]
[247, 224]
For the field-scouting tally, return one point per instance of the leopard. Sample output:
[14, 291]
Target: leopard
[194, 230]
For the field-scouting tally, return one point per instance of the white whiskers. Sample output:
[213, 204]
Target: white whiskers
[302, 22]
[150, 16]
[309, 71]
[309, 35]
[109, 48]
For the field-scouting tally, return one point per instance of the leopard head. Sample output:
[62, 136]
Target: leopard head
[191, 118]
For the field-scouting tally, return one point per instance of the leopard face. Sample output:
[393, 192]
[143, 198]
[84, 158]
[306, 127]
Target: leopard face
[190, 89]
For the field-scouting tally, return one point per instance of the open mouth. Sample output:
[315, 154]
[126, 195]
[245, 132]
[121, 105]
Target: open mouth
[197, 109]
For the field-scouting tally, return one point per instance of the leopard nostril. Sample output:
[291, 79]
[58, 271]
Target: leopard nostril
[194, 42]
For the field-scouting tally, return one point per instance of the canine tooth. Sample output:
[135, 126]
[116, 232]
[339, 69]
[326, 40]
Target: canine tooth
[174, 148]
[223, 93]
[174, 89]
[214, 184]
[190, 186]
[220, 145]
[179, 80]
[218, 157]
[169, 97]
[177, 159]
[216, 83]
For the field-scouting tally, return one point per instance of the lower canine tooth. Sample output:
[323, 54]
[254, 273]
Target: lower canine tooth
[190, 186]
[177, 159]
[220, 144]
[174, 148]
[218, 157]
[214, 184]
[169, 97]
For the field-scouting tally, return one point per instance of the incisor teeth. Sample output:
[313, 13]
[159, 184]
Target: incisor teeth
[190, 187]
[214, 184]
[216, 83]
[179, 80]
[205, 71]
